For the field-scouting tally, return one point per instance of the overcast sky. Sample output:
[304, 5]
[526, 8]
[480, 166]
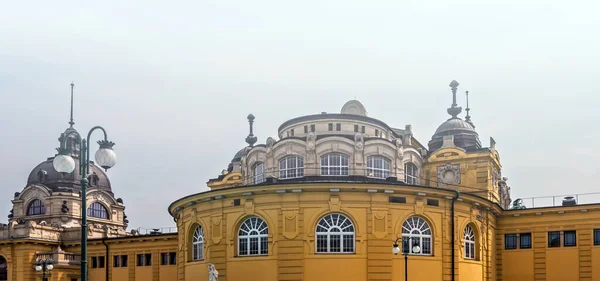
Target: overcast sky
[173, 82]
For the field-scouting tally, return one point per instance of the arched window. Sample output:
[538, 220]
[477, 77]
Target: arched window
[334, 164]
[97, 210]
[416, 232]
[198, 244]
[3, 269]
[335, 234]
[253, 237]
[410, 173]
[378, 167]
[36, 207]
[291, 167]
[469, 243]
[258, 173]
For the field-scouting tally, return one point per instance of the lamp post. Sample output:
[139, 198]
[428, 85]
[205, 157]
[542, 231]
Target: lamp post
[43, 266]
[415, 250]
[64, 163]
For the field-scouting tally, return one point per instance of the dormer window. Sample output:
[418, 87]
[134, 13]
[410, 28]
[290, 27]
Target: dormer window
[41, 175]
[258, 173]
[93, 179]
[97, 210]
[334, 164]
[36, 207]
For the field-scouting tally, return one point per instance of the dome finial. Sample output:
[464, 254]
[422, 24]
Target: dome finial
[468, 117]
[251, 139]
[71, 120]
[454, 110]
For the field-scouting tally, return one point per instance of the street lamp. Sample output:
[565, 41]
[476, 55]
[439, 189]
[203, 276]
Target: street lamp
[43, 266]
[396, 250]
[64, 163]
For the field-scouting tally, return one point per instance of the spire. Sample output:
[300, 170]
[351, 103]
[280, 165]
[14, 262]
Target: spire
[251, 139]
[71, 120]
[468, 117]
[454, 110]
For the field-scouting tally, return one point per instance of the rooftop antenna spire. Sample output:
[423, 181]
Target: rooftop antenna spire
[71, 120]
[251, 138]
[454, 110]
[468, 117]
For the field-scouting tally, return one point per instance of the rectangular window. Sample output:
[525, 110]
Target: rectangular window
[148, 259]
[395, 199]
[172, 258]
[124, 259]
[510, 241]
[292, 132]
[363, 129]
[331, 126]
[305, 129]
[101, 262]
[433, 202]
[376, 132]
[312, 127]
[356, 128]
[553, 239]
[525, 240]
[94, 262]
[116, 261]
[570, 239]
[597, 236]
[144, 259]
[338, 127]
[140, 260]
[164, 259]
[236, 202]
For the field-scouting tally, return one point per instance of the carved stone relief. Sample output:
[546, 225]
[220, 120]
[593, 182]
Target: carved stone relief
[448, 174]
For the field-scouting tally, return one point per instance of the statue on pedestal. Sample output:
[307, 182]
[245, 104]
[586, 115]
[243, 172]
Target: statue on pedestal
[213, 274]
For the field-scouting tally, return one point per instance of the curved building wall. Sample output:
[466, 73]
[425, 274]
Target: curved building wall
[292, 212]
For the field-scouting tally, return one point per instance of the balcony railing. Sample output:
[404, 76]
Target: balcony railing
[59, 257]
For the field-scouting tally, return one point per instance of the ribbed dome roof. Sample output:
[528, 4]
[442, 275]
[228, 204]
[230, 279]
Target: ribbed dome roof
[46, 175]
[455, 124]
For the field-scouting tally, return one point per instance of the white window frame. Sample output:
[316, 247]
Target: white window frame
[412, 177]
[334, 226]
[287, 172]
[416, 230]
[198, 244]
[331, 169]
[378, 167]
[254, 231]
[469, 236]
[258, 173]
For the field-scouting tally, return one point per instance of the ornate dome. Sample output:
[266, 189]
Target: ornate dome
[354, 107]
[46, 175]
[455, 124]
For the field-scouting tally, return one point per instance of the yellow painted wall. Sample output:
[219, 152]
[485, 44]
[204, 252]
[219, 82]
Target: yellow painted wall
[595, 262]
[470, 271]
[517, 265]
[419, 268]
[195, 271]
[562, 264]
[335, 268]
[259, 270]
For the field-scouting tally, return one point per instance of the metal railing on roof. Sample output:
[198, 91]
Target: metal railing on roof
[155, 231]
[560, 200]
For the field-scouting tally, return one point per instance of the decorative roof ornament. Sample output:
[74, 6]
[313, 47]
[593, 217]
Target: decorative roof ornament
[251, 138]
[71, 120]
[454, 110]
[468, 117]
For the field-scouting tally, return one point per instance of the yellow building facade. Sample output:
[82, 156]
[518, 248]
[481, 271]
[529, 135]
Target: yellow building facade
[328, 199]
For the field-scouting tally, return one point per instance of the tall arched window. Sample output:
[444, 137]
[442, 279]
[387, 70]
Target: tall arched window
[334, 164]
[3, 269]
[253, 237]
[97, 210]
[291, 167]
[469, 243]
[36, 207]
[416, 231]
[258, 173]
[198, 244]
[378, 167]
[410, 173]
[335, 234]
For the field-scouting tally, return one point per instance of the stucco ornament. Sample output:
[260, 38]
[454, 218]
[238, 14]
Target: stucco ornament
[359, 141]
[270, 143]
[448, 174]
[213, 274]
[311, 139]
[399, 148]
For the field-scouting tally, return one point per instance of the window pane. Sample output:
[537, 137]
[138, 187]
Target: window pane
[554, 239]
[510, 241]
[570, 238]
[596, 236]
[525, 241]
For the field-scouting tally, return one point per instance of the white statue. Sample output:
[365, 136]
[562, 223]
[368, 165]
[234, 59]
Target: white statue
[213, 274]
